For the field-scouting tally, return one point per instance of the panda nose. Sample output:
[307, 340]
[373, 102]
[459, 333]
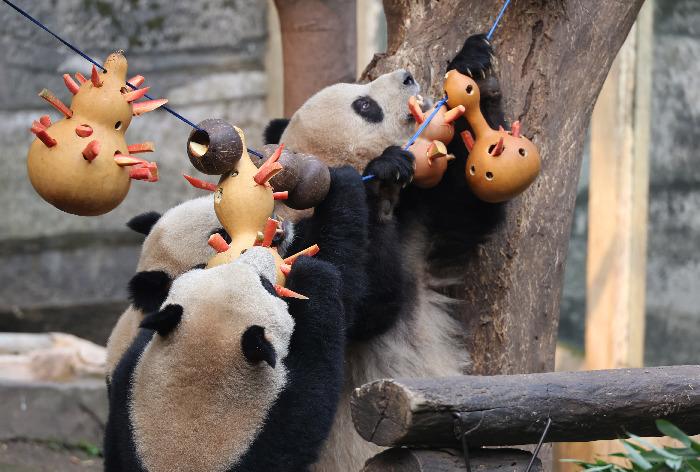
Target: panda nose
[408, 79]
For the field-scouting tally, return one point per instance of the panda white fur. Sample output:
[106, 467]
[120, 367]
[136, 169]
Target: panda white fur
[405, 328]
[226, 376]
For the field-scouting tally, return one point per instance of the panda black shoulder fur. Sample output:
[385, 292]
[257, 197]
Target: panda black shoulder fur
[226, 376]
[405, 326]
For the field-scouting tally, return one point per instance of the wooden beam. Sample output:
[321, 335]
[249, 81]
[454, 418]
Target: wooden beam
[450, 460]
[617, 207]
[507, 410]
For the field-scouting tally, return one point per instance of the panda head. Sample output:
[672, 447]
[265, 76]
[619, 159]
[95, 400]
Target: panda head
[206, 380]
[354, 123]
[175, 243]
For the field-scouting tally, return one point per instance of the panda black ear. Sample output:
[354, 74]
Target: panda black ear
[149, 289]
[274, 130]
[256, 347]
[163, 321]
[144, 222]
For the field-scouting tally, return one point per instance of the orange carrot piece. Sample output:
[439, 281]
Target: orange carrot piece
[71, 84]
[285, 292]
[137, 81]
[92, 150]
[218, 243]
[47, 95]
[149, 105]
[148, 146]
[200, 184]
[309, 251]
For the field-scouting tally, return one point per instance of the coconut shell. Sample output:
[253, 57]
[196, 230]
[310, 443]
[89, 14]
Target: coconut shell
[304, 176]
[215, 148]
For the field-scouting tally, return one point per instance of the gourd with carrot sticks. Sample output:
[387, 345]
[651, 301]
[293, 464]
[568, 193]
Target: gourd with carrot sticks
[81, 164]
[244, 198]
[501, 164]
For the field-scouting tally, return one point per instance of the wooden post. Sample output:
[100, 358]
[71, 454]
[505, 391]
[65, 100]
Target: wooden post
[318, 44]
[617, 217]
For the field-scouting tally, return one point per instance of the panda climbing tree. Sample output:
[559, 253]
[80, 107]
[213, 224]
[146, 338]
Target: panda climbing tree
[551, 60]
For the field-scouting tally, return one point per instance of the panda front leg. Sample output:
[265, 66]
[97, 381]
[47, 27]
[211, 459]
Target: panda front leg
[301, 419]
[339, 227]
[389, 282]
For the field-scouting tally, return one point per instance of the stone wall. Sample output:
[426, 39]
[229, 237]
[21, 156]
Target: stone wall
[673, 267]
[63, 272]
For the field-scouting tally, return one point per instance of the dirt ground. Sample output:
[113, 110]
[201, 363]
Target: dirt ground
[24, 456]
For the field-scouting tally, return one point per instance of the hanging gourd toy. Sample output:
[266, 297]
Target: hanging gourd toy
[82, 164]
[429, 149]
[244, 197]
[501, 164]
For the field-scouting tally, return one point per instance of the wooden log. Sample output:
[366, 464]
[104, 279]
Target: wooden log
[507, 410]
[450, 460]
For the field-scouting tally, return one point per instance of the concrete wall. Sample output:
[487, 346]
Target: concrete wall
[673, 271]
[63, 272]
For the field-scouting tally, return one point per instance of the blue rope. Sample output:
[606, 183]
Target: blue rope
[418, 131]
[97, 64]
[498, 19]
[425, 123]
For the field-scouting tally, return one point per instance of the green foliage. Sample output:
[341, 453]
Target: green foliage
[645, 456]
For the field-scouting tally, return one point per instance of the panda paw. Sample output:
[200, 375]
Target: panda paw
[474, 59]
[393, 167]
[390, 172]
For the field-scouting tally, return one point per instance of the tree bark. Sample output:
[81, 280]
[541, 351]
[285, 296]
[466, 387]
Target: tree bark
[508, 410]
[421, 460]
[552, 59]
[319, 47]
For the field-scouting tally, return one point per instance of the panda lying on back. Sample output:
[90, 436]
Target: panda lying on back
[404, 326]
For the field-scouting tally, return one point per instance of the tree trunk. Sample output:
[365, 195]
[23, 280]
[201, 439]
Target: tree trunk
[319, 46]
[506, 410]
[552, 59]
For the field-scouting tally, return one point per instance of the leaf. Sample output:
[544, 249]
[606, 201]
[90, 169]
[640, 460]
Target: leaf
[669, 429]
[636, 457]
[654, 447]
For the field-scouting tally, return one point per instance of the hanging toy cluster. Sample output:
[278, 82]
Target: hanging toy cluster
[82, 164]
[244, 197]
[429, 148]
[501, 164]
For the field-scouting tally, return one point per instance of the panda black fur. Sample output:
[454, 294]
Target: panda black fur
[226, 376]
[404, 327]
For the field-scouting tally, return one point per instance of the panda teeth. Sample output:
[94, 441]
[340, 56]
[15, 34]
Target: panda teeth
[419, 100]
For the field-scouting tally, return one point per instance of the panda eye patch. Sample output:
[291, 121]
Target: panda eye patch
[368, 109]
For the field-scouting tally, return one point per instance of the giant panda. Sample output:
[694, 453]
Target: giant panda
[226, 376]
[405, 326]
